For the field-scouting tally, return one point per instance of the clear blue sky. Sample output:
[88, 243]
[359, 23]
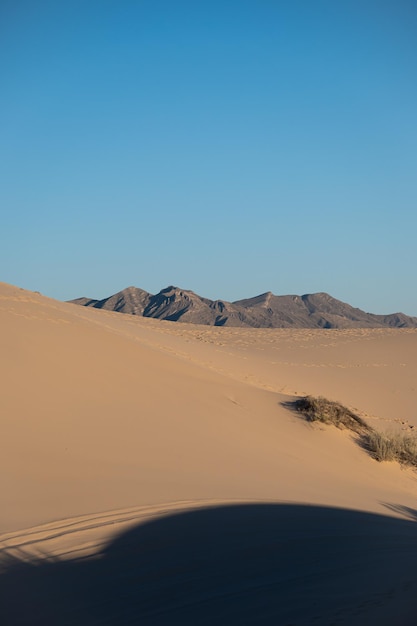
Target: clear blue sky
[230, 147]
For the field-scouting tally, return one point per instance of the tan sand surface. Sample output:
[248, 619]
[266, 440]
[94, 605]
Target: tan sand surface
[112, 424]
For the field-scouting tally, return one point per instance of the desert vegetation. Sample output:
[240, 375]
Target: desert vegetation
[400, 446]
[322, 410]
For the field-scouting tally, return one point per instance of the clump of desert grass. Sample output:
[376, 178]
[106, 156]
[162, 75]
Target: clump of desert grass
[322, 410]
[400, 447]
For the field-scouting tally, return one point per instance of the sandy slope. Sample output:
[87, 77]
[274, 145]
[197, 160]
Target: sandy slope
[109, 421]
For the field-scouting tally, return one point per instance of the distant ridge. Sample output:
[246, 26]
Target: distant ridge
[317, 310]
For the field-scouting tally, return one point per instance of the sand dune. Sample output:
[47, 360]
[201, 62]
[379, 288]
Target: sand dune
[111, 423]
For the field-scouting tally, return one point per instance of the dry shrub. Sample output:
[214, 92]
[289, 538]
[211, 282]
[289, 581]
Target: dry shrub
[322, 410]
[401, 447]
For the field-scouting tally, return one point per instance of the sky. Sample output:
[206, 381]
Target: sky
[231, 147]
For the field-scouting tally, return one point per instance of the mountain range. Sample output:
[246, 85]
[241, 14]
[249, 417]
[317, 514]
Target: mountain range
[317, 310]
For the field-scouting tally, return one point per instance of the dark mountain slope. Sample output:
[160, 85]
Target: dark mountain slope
[131, 300]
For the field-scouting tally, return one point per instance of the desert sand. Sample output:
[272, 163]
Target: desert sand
[151, 472]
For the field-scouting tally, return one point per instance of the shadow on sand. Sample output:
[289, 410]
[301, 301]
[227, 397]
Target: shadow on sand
[277, 564]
